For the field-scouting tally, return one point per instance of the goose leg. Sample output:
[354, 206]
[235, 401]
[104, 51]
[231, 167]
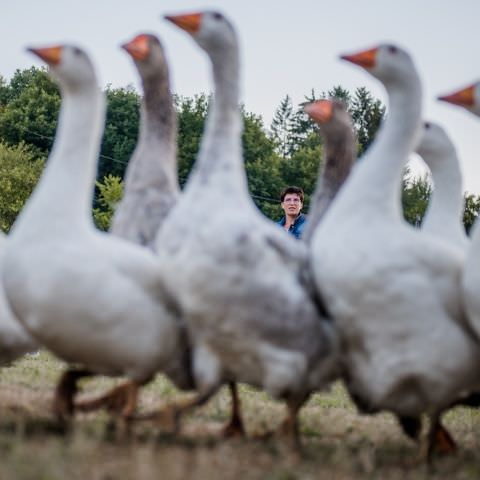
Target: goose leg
[435, 439]
[235, 427]
[63, 401]
[290, 426]
[411, 426]
[175, 411]
[442, 442]
[120, 400]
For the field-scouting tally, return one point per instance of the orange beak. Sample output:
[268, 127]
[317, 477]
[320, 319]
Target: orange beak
[365, 58]
[189, 22]
[138, 47]
[320, 111]
[464, 97]
[50, 55]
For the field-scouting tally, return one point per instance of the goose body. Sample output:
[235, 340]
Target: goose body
[469, 98]
[14, 339]
[151, 184]
[239, 276]
[443, 217]
[92, 299]
[393, 292]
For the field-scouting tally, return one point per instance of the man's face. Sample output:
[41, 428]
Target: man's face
[292, 204]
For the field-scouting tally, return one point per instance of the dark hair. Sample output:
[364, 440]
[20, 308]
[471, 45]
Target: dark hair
[292, 189]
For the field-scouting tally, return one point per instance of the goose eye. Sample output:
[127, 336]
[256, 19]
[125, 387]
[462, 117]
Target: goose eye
[427, 125]
[217, 16]
[392, 49]
[77, 51]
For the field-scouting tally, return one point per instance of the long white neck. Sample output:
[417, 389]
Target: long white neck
[443, 217]
[64, 193]
[220, 160]
[376, 181]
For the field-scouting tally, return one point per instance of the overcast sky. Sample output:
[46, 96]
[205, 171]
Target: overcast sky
[288, 47]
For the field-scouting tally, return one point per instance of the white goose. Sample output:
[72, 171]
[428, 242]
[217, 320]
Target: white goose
[92, 299]
[394, 291]
[14, 339]
[151, 183]
[337, 131]
[443, 217]
[238, 275]
[469, 98]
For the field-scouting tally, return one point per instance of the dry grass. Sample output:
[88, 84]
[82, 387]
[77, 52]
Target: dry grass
[338, 443]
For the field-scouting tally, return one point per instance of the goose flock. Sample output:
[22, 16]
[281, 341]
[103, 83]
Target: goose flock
[213, 297]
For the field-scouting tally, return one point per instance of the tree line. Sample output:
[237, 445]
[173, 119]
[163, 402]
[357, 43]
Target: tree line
[287, 152]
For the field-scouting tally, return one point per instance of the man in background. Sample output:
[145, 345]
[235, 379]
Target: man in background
[292, 202]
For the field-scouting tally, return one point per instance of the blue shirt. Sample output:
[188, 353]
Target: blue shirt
[296, 228]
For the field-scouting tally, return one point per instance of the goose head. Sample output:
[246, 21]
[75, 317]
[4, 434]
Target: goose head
[467, 97]
[331, 115]
[69, 65]
[148, 54]
[210, 29]
[434, 141]
[387, 62]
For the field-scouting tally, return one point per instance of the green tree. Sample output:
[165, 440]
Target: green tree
[367, 114]
[19, 173]
[262, 164]
[416, 193]
[110, 193]
[121, 131]
[31, 103]
[191, 114]
[471, 210]
[3, 92]
[283, 128]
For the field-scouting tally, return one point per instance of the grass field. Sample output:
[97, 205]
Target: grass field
[337, 442]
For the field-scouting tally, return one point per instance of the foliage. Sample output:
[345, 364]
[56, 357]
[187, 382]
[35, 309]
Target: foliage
[283, 128]
[262, 165]
[367, 115]
[471, 210]
[121, 131]
[19, 173]
[415, 196]
[110, 194]
[191, 114]
[31, 103]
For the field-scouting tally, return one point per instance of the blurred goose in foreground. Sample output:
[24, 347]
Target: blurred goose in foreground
[93, 299]
[238, 275]
[151, 183]
[444, 214]
[14, 339]
[338, 135]
[469, 98]
[394, 292]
